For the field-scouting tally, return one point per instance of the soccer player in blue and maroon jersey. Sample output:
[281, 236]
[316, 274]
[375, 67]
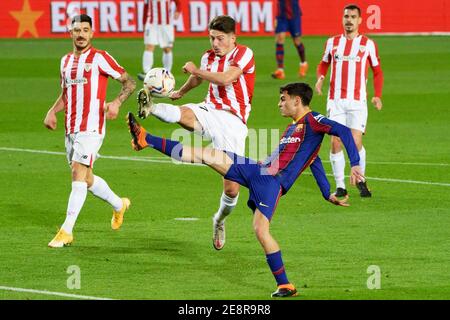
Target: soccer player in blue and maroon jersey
[289, 18]
[269, 180]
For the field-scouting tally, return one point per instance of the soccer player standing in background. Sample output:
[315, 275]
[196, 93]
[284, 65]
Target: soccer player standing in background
[222, 118]
[84, 78]
[289, 18]
[350, 54]
[159, 30]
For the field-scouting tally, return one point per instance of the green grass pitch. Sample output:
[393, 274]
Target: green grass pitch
[403, 229]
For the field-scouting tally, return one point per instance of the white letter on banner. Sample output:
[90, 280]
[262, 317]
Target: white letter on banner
[108, 15]
[58, 17]
[215, 9]
[199, 16]
[140, 16]
[126, 16]
[264, 15]
[90, 8]
[240, 15]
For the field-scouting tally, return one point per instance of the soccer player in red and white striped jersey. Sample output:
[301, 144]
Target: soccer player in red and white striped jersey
[159, 30]
[350, 56]
[84, 80]
[230, 70]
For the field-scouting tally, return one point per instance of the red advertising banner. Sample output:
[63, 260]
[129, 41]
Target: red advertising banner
[115, 18]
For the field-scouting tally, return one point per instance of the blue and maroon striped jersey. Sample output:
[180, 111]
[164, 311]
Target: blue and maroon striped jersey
[288, 9]
[299, 148]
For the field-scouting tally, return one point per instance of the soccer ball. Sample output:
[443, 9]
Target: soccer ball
[159, 82]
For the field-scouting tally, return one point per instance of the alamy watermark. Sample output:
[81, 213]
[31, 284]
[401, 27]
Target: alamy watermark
[74, 280]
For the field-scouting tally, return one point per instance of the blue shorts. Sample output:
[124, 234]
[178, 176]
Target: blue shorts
[294, 26]
[265, 190]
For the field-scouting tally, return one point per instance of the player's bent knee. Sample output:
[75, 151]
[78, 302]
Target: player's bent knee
[230, 188]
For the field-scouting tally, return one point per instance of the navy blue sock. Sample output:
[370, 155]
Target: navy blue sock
[277, 267]
[279, 52]
[301, 52]
[173, 149]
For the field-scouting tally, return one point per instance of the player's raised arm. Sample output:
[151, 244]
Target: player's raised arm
[219, 78]
[191, 83]
[50, 120]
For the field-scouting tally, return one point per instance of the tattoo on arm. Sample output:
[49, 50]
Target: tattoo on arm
[128, 86]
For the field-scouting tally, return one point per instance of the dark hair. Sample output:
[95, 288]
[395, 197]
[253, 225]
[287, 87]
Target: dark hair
[299, 89]
[353, 7]
[223, 23]
[82, 18]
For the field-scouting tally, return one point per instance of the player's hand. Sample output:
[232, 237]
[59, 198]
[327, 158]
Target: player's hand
[176, 15]
[377, 103]
[356, 175]
[189, 67]
[112, 109]
[175, 95]
[319, 85]
[339, 202]
[50, 120]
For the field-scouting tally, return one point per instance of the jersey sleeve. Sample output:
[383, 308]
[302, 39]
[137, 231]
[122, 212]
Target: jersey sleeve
[109, 66]
[321, 179]
[324, 64]
[374, 61]
[321, 124]
[374, 58]
[61, 72]
[244, 60]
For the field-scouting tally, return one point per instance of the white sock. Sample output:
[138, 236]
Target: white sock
[166, 112]
[167, 60]
[147, 61]
[338, 165]
[227, 205]
[76, 201]
[101, 190]
[362, 159]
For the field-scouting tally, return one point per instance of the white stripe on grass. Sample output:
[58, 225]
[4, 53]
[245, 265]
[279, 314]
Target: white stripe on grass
[52, 293]
[148, 159]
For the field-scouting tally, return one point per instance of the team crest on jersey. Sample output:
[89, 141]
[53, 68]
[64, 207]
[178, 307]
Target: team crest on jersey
[87, 67]
[299, 127]
[362, 48]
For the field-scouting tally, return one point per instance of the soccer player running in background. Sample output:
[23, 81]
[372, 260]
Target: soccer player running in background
[159, 30]
[230, 70]
[289, 18]
[267, 181]
[84, 77]
[350, 54]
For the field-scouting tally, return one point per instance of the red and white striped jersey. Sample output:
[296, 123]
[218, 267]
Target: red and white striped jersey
[84, 80]
[350, 60]
[236, 97]
[160, 12]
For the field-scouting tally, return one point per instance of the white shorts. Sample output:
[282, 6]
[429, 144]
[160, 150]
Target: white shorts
[83, 147]
[226, 131]
[350, 113]
[162, 35]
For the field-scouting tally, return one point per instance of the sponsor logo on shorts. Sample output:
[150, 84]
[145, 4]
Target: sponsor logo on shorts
[84, 157]
[263, 205]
